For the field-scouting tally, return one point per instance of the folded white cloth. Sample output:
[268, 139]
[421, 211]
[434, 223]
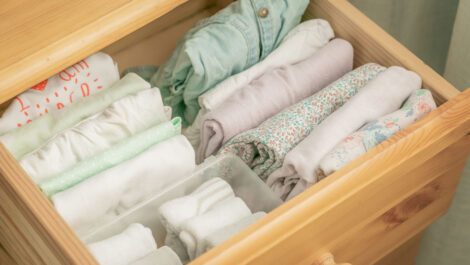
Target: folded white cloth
[161, 256]
[195, 230]
[175, 212]
[416, 106]
[113, 191]
[380, 96]
[124, 118]
[135, 242]
[85, 78]
[225, 233]
[301, 42]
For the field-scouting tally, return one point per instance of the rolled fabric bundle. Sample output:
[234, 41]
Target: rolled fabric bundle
[380, 96]
[301, 43]
[161, 256]
[119, 188]
[223, 234]
[251, 105]
[263, 149]
[135, 242]
[201, 60]
[416, 106]
[174, 213]
[196, 229]
[122, 119]
[83, 79]
[124, 150]
[30, 137]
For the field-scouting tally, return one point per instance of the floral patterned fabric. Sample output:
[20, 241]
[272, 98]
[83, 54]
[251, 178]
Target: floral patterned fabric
[418, 104]
[264, 148]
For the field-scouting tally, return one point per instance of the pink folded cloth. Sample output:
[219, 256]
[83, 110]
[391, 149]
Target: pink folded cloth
[271, 93]
[379, 97]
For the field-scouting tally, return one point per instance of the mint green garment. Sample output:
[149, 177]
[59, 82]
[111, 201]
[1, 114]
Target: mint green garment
[124, 150]
[225, 44]
[28, 138]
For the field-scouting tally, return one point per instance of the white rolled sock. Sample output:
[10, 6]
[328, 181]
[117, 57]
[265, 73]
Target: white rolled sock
[196, 229]
[132, 244]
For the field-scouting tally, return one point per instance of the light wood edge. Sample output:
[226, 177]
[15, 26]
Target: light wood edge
[100, 33]
[405, 254]
[5, 259]
[377, 45]
[32, 231]
[178, 15]
[441, 128]
[428, 203]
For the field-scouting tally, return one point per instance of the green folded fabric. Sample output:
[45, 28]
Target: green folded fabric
[124, 150]
[28, 138]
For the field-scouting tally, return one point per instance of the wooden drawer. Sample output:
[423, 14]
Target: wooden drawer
[360, 214]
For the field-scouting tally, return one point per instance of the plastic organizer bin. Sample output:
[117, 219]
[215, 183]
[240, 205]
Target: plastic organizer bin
[244, 182]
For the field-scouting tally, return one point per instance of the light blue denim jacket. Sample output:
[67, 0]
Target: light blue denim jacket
[225, 44]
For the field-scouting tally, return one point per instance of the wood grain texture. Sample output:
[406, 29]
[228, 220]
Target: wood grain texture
[40, 38]
[347, 201]
[5, 258]
[372, 44]
[388, 195]
[404, 255]
[31, 230]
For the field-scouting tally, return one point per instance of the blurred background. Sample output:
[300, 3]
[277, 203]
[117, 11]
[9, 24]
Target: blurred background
[438, 31]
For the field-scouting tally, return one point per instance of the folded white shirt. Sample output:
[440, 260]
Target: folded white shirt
[113, 191]
[195, 230]
[301, 42]
[122, 119]
[176, 212]
[161, 256]
[381, 96]
[85, 78]
[135, 242]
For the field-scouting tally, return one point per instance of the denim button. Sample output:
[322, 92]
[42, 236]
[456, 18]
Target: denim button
[263, 12]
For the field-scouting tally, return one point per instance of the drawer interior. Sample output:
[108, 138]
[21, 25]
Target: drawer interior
[154, 43]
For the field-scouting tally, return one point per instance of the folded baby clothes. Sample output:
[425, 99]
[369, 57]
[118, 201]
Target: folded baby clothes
[272, 92]
[416, 106]
[195, 230]
[161, 256]
[135, 242]
[29, 137]
[119, 188]
[380, 96]
[85, 78]
[124, 118]
[301, 42]
[176, 212]
[227, 43]
[225, 233]
[263, 149]
[124, 150]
